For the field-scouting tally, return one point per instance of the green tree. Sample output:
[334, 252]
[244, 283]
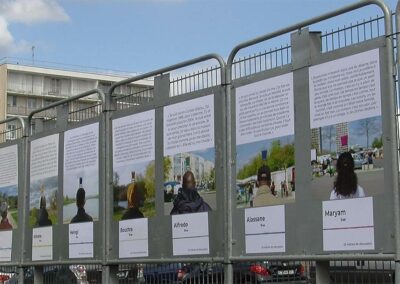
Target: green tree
[377, 143]
[116, 178]
[279, 158]
[167, 167]
[149, 178]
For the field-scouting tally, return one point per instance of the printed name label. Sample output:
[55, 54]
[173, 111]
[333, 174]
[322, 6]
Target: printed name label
[133, 238]
[42, 243]
[348, 224]
[264, 233]
[190, 234]
[81, 240]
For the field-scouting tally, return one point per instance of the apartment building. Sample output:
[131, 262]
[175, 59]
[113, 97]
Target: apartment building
[25, 88]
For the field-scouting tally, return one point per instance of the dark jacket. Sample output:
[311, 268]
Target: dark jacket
[189, 201]
[132, 213]
[44, 220]
[81, 216]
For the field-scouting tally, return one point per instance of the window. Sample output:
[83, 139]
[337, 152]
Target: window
[47, 102]
[11, 100]
[11, 133]
[31, 103]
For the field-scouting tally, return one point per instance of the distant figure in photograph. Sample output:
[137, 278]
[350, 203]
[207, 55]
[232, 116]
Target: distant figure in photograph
[346, 184]
[43, 219]
[4, 223]
[188, 199]
[251, 195]
[81, 215]
[273, 188]
[264, 195]
[135, 198]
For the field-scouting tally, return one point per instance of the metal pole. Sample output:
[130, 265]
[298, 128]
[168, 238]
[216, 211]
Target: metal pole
[228, 268]
[396, 190]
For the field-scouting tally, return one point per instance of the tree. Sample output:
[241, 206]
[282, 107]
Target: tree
[149, 178]
[167, 167]
[116, 178]
[279, 158]
[377, 143]
[328, 136]
[369, 126]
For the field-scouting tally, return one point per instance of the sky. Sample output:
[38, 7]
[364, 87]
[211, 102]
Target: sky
[144, 35]
[357, 135]
[247, 152]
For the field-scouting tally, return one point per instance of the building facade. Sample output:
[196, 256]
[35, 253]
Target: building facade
[342, 137]
[26, 88]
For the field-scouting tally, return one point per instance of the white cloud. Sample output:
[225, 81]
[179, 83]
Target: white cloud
[32, 11]
[5, 36]
[7, 43]
[26, 12]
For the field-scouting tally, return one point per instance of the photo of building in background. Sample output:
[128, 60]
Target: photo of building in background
[363, 139]
[278, 155]
[202, 164]
[134, 191]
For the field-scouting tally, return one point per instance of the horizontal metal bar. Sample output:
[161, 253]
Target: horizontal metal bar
[18, 118]
[388, 257]
[61, 262]
[166, 260]
[9, 264]
[173, 67]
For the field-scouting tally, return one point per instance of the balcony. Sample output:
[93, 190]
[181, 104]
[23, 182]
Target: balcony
[25, 111]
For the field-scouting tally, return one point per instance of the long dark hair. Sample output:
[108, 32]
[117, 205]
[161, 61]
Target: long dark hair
[346, 180]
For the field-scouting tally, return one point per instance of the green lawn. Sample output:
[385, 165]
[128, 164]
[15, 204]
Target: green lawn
[14, 214]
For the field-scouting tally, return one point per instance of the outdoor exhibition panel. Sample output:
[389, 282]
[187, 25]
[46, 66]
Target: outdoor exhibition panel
[153, 145]
[297, 120]
[65, 190]
[11, 200]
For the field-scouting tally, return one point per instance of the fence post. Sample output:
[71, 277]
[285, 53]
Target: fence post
[109, 274]
[21, 275]
[322, 272]
[38, 275]
[228, 193]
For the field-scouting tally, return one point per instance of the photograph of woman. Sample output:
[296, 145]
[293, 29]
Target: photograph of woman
[346, 182]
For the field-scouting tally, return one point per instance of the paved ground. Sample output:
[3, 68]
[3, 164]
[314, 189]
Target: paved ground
[370, 180]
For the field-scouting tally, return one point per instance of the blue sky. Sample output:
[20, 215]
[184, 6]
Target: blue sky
[246, 152]
[357, 135]
[142, 35]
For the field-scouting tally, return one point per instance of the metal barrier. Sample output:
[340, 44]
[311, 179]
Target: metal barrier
[323, 276]
[229, 267]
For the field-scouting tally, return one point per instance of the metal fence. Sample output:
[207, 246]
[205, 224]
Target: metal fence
[341, 271]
